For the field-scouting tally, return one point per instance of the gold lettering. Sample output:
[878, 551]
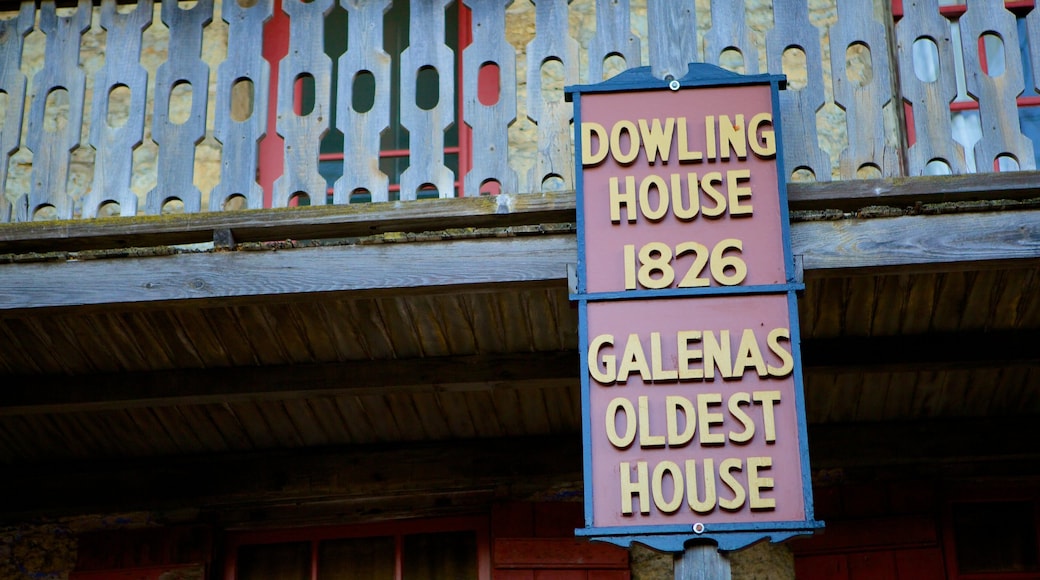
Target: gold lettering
[786, 360]
[685, 213]
[657, 360]
[732, 136]
[748, 354]
[619, 129]
[692, 497]
[717, 354]
[709, 184]
[685, 155]
[608, 373]
[735, 400]
[705, 418]
[620, 404]
[657, 141]
[764, 142]
[687, 354]
[633, 360]
[757, 483]
[709, 135]
[627, 199]
[672, 505]
[725, 473]
[646, 439]
[674, 405]
[737, 192]
[767, 399]
[588, 131]
[640, 487]
[653, 182]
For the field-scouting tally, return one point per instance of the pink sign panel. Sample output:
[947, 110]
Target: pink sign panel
[680, 189]
[693, 419]
[693, 412]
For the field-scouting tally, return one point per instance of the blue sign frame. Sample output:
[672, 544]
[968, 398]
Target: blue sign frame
[673, 538]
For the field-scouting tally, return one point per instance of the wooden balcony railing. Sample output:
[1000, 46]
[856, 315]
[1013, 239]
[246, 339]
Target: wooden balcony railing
[187, 106]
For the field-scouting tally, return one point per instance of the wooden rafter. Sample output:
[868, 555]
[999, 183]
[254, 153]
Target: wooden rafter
[30, 395]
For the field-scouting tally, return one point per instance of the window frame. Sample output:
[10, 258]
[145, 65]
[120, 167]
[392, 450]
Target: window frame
[975, 494]
[398, 529]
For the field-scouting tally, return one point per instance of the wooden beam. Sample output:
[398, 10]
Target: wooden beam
[931, 352]
[843, 247]
[350, 483]
[32, 395]
[854, 194]
[980, 440]
[364, 483]
[339, 268]
[305, 223]
[319, 222]
[57, 394]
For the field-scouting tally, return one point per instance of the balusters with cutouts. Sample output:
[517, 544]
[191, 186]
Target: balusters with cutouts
[176, 128]
[242, 97]
[120, 100]
[54, 126]
[490, 63]
[12, 90]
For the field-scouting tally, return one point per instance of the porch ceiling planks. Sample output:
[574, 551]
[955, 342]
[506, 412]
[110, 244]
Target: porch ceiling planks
[361, 483]
[521, 385]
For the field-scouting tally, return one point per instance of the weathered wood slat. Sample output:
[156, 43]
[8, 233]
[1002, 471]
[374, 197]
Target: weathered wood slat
[552, 43]
[177, 141]
[798, 106]
[241, 119]
[12, 83]
[613, 38]
[427, 50]
[53, 134]
[929, 101]
[114, 160]
[362, 129]
[941, 240]
[917, 240]
[326, 269]
[998, 109]
[298, 223]
[302, 132]
[864, 98]
[490, 122]
[672, 32]
[449, 471]
[729, 30]
[1033, 35]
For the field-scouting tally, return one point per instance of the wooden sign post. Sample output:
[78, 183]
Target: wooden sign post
[693, 425]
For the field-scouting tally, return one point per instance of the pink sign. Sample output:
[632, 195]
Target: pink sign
[675, 198]
[693, 411]
[692, 393]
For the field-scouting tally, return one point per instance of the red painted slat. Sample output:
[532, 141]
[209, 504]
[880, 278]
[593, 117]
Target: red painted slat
[925, 564]
[557, 553]
[872, 565]
[821, 568]
[512, 520]
[557, 519]
[878, 533]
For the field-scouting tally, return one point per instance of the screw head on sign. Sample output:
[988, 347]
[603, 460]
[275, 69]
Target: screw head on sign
[698, 528]
[673, 84]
